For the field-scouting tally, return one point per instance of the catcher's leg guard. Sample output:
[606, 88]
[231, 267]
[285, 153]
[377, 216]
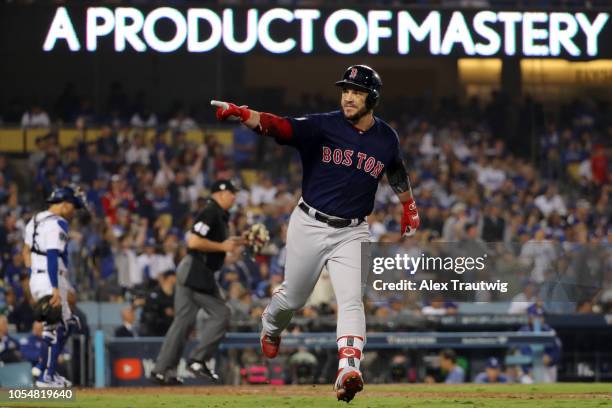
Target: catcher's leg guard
[54, 340]
[49, 338]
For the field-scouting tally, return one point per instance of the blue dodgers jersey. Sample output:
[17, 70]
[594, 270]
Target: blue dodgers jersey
[342, 165]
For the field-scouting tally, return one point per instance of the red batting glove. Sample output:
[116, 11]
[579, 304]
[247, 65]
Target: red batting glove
[233, 112]
[410, 218]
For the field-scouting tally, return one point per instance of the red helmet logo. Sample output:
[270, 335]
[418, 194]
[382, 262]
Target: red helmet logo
[353, 73]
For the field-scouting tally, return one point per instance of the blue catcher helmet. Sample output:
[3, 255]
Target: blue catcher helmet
[71, 194]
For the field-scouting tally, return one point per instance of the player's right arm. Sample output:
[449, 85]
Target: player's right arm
[266, 124]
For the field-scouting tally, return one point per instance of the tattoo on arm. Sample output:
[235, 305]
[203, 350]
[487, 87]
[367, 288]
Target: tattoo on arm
[398, 178]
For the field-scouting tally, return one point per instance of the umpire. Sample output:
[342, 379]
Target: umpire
[196, 289]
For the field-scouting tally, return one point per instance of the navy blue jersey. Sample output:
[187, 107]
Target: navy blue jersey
[341, 164]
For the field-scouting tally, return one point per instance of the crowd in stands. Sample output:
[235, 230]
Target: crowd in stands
[143, 193]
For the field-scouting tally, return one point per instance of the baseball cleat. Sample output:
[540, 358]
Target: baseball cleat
[348, 383]
[201, 370]
[269, 345]
[47, 381]
[67, 383]
[161, 379]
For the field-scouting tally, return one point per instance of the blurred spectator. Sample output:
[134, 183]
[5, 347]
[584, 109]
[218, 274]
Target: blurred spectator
[6, 170]
[127, 327]
[126, 263]
[490, 175]
[158, 310]
[164, 261]
[108, 146]
[239, 301]
[454, 225]
[9, 347]
[599, 165]
[144, 119]
[439, 307]
[13, 273]
[32, 345]
[302, 364]
[399, 369]
[550, 202]
[146, 260]
[89, 162]
[38, 154]
[493, 224]
[448, 363]
[21, 311]
[492, 374]
[263, 192]
[138, 152]
[523, 300]
[35, 117]
[552, 353]
[538, 253]
[118, 196]
[181, 122]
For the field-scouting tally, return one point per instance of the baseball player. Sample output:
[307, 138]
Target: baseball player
[344, 155]
[45, 253]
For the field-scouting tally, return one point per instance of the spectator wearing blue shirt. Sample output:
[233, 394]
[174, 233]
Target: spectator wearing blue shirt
[31, 346]
[448, 364]
[492, 373]
[552, 353]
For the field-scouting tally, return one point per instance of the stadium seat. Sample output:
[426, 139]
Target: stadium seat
[16, 375]
[105, 315]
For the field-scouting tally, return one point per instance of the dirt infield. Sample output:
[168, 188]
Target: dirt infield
[321, 396]
[416, 391]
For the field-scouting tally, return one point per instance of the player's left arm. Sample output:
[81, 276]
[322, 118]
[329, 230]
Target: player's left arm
[400, 183]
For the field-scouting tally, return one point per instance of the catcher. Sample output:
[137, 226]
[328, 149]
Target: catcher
[45, 252]
[196, 287]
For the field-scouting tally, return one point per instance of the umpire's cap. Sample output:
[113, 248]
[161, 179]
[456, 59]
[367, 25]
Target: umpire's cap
[363, 78]
[71, 194]
[222, 185]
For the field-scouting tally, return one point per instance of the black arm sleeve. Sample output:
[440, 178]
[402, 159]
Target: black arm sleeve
[398, 177]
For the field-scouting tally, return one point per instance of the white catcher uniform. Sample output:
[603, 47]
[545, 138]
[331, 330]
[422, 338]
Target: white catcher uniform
[47, 231]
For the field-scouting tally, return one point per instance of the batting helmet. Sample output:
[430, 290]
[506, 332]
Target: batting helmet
[71, 194]
[363, 78]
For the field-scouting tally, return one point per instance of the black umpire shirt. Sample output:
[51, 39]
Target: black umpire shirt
[211, 223]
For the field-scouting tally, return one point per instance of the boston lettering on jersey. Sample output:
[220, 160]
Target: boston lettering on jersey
[345, 157]
[342, 165]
